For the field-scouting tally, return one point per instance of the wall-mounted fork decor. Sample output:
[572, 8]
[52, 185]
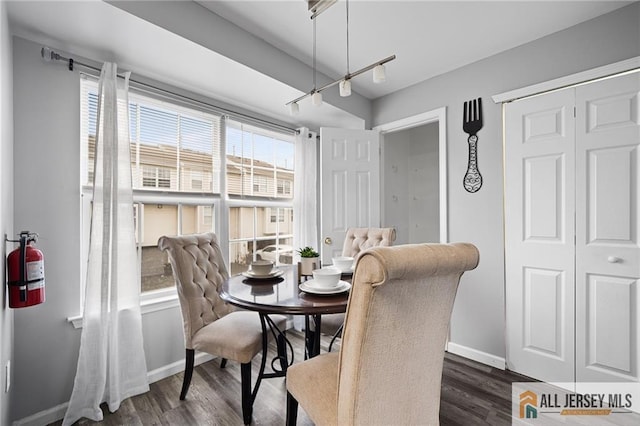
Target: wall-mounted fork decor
[471, 124]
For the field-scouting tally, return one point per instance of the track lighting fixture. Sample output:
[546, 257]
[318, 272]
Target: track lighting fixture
[344, 83]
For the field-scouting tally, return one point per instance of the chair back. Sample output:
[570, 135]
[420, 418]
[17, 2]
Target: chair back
[395, 332]
[199, 271]
[358, 240]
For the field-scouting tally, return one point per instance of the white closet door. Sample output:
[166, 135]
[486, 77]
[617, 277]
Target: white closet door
[539, 232]
[607, 230]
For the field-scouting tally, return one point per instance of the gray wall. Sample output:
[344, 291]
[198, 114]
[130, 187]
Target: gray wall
[47, 187]
[6, 203]
[411, 185]
[478, 318]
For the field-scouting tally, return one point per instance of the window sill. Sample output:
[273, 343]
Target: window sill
[148, 303]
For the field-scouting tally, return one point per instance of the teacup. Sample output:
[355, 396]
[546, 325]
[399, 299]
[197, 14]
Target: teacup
[343, 263]
[262, 267]
[326, 277]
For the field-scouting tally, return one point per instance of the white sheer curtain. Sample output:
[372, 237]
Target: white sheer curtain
[305, 197]
[305, 194]
[111, 363]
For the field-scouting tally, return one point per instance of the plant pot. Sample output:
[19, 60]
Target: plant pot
[308, 264]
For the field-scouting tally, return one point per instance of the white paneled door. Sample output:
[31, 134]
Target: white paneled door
[350, 185]
[572, 237]
[540, 165]
[607, 233]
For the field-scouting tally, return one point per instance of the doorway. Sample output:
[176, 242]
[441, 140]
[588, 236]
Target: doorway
[414, 177]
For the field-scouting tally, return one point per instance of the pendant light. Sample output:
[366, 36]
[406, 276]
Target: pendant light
[344, 84]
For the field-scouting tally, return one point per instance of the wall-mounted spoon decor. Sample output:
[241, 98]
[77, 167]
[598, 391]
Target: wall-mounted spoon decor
[471, 124]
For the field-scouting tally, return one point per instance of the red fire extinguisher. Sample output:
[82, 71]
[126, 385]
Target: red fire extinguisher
[25, 267]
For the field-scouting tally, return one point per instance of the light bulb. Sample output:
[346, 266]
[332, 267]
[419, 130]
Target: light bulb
[345, 88]
[316, 98]
[46, 54]
[379, 74]
[294, 109]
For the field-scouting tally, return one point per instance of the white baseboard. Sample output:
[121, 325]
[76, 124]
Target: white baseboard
[45, 417]
[175, 367]
[56, 413]
[476, 355]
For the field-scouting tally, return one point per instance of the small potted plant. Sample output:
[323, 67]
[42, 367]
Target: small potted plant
[309, 260]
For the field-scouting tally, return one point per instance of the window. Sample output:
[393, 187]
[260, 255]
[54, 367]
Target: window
[156, 177]
[260, 186]
[259, 169]
[252, 230]
[284, 187]
[259, 163]
[277, 215]
[177, 164]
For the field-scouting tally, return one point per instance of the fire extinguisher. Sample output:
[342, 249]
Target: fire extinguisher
[25, 268]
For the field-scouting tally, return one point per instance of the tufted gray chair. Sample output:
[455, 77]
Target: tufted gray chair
[210, 324]
[356, 241]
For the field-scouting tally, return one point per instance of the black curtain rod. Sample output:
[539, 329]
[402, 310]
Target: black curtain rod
[49, 55]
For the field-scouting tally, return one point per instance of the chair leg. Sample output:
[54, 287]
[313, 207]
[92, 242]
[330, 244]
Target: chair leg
[292, 410]
[188, 372]
[223, 363]
[245, 383]
[337, 334]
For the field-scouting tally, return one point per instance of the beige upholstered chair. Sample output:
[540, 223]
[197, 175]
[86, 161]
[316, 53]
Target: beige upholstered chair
[210, 324]
[356, 241]
[385, 374]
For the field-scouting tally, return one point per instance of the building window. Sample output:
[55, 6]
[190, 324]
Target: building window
[260, 186]
[176, 164]
[156, 177]
[276, 215]
[284, 187]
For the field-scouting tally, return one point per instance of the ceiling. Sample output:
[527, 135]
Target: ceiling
[428, 37]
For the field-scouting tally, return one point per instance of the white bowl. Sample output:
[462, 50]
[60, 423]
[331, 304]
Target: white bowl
[343, 263]
[262, 267]
[326, 277]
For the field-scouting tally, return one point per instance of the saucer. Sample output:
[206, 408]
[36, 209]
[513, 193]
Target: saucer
[309, 287]
[273, 274]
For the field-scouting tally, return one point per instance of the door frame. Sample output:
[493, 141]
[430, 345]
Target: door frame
[437, 115]
[611, 70]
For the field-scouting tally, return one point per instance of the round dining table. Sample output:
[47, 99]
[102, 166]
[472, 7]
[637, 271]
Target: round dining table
[281, 294]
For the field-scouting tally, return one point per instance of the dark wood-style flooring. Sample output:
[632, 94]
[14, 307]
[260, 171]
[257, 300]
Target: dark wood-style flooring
[472, 394]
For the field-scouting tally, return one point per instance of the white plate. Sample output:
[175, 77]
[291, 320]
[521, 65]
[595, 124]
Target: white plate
[309, 287]
[273, 274]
